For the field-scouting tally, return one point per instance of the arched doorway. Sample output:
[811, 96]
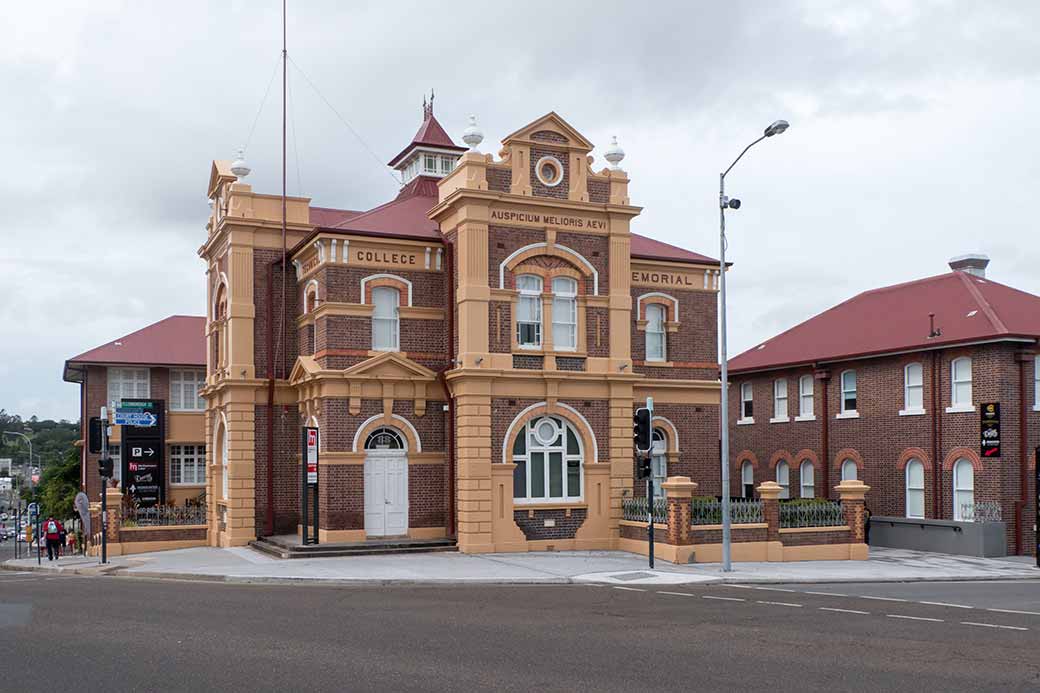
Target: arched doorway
[386, 483]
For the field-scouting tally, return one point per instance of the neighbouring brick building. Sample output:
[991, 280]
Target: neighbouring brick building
[164, 361]
[470, 351]
[890, 387]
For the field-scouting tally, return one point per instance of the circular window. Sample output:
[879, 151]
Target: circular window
[549, 171]
[546, 431]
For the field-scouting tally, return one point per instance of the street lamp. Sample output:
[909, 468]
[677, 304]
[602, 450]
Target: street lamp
[775, 128]
[36, 497]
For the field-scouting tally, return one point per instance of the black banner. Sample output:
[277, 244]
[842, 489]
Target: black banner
[990, 431]
[143, 454]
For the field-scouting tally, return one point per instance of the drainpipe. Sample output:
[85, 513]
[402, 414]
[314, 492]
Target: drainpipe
[936, 440]
[825, 443]
[1023, 453]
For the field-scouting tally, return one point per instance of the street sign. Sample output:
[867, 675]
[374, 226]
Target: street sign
[990, 430]
[312, 455]
[133, 417]
[309, 474]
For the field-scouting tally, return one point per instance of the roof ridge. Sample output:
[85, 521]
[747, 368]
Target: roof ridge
[900, 285]
[987, 309]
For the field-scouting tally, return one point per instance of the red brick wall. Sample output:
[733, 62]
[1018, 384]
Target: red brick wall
[559, 191]
[287, 348]
[689, 348]
[883, 439]
[286, 437]
[698, 428]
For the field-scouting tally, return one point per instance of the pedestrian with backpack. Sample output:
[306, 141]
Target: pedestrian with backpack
[52, 531]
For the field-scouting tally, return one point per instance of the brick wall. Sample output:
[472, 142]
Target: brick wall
[286, 439]
[883, 440]
[691, 346]
[288, 348]
[534, 527]
[559, 191]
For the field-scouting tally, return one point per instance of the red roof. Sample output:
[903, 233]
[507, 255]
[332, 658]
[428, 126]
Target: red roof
[327, 216]
[404, 216]
[967, 308]
[178, 340]
[656, 250]
[430, 134]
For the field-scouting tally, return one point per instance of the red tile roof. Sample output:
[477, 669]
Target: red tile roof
[178, 340]
[656, 250]
[430, 134]
[895, 318]
[327, 216]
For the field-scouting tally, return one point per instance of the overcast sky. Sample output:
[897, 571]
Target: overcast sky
[912, 139]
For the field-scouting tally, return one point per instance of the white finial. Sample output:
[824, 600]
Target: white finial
[472, 135]
[614, 154]
[238, 166]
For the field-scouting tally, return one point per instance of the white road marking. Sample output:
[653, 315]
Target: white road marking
[18, 580]
[629, 589]
[915, 618]
[1015, 611]
[882, 599]
[743, 587]
[773, 589]
[844, 611]
[826, 594]
[677, 594]
[955, 606]
[723, 599]
[779, 603]
[992, 625]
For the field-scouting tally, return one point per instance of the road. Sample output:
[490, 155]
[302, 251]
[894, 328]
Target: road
[135, 634]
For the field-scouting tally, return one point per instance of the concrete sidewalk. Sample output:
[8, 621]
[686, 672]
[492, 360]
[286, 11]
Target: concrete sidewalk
[244, 565]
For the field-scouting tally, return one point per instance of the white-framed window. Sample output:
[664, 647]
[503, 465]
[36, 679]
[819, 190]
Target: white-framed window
[805, 397]
[780, 400]
[747, 480]
[529, 311]
[385, 438]
[747, 408]
[447, 164]
[913, 389]
[430, 164]
[659, 461]
[963, 490]
[915, 488]
[783, 478]
[116, 454]
[127, 383]
[656, 342]
[807, 478]
[548, 457]
[565, 313]
[848, 393]
[385, 321]
[849, 471]
[188, 465]
[960, 384]
[184, 390]
[1036, 383]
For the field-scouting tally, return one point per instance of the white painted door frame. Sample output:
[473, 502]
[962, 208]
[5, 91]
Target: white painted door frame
[386, 493]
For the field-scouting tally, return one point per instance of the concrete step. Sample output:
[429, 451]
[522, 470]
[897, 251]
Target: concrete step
[280, 549]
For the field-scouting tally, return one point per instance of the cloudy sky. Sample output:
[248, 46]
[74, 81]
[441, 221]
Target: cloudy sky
[911, 140]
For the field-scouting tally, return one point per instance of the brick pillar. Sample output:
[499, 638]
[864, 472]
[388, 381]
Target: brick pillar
[114, 499]
[769, 494]
[678, 490]
[852, 495]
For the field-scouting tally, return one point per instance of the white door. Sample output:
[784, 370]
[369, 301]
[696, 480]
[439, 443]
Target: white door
[386, 494]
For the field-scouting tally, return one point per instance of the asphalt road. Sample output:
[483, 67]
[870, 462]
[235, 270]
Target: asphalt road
[127, 634]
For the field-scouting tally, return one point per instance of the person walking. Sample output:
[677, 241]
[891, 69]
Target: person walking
[62, 538]
[52, 531]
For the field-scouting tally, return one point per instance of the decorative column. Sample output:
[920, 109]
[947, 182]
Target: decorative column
[678, 491]
[114, 499]
[769, 494]
[852, 495]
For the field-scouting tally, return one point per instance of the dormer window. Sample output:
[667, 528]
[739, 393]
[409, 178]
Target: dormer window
[431, 164]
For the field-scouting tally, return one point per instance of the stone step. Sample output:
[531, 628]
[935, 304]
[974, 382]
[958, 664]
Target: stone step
[367, 548]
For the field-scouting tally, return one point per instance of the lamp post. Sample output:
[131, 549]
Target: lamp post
[28, 441]
[774, 129]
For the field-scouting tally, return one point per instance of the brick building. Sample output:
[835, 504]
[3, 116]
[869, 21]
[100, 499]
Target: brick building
[890, 387]
[164, 361]
[470, 351]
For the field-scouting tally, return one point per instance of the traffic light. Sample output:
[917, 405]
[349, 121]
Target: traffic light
[106, 467]
[641, 429]
[643, 467]
[94, 435]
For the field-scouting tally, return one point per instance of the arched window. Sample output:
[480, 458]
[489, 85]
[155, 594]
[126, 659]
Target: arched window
[385, 324]
[220, 347]
[914, 488]
[747, 480]
[310, 296]
[384, 438]
[659, 461]
[913, 389]
[529, 311]
[849, 471]
[222, 446]
[565, 313]
[656, 349]
[548, 456]
[783, 478]
[807, 477]
[960, 390]
[963, 490]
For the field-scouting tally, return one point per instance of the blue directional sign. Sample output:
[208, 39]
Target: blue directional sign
[135, 417]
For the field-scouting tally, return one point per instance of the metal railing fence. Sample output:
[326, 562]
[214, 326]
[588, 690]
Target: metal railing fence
[818, 514]
[742, 511]
[635, 509]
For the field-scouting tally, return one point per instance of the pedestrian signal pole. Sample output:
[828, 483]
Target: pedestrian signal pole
[642, 436]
